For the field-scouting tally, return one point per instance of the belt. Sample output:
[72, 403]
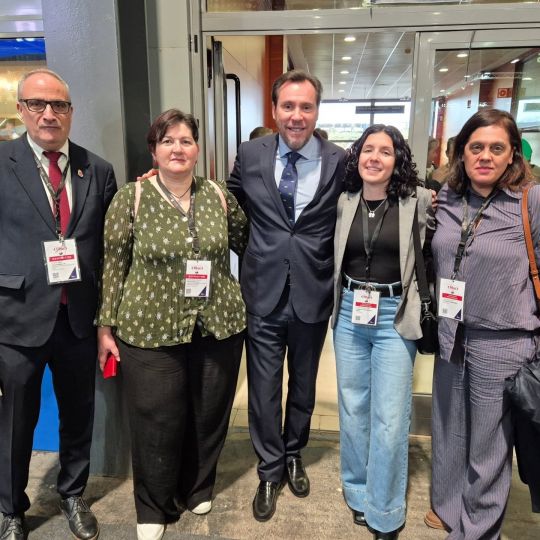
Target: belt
[385, 289]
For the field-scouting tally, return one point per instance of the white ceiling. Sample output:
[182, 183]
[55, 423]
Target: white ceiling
[381, 64]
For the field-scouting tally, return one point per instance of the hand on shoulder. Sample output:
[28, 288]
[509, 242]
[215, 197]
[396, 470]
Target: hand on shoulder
[148, 174]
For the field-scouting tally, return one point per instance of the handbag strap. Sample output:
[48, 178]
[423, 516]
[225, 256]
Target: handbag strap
[421, 278]
[529, 241]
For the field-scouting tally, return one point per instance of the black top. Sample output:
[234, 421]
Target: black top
[385, 260]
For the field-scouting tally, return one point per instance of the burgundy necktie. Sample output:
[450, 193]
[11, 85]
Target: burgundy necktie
[55, 176]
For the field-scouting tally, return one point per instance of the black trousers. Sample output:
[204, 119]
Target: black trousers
[179, 403]
[72, 362]
[277, 442]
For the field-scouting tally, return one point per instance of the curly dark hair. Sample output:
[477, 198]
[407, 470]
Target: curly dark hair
[167, 119]
[404, 177]
[516, 174]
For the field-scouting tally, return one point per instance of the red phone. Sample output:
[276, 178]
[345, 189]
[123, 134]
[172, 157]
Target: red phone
[110, 366]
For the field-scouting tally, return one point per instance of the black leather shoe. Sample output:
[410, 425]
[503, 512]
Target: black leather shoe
[378, 535]
[82, 522]
[297, 478]
[359, 518]
[11, 527]
[264, 503]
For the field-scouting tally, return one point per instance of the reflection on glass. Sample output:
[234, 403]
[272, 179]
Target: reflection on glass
[281, 5]
[468, 80]
[527, 111]
[17, 56]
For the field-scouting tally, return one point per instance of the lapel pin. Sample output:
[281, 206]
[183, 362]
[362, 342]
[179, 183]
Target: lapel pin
[80, 173]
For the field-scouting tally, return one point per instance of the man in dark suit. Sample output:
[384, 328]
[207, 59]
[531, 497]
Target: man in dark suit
[52, 208]
[289, 185]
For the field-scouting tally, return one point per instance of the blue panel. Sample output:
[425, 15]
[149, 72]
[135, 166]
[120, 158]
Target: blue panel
[22, 49]
[46, 433]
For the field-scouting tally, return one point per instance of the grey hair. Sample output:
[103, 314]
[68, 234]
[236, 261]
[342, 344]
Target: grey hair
[37, 71]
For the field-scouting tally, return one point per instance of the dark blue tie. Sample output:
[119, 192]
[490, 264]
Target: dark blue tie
[287, 184]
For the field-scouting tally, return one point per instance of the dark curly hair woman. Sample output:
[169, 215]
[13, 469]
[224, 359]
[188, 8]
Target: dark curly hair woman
[376, 321]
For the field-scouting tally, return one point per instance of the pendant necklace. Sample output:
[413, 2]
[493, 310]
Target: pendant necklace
[179, 197]
[371, 212]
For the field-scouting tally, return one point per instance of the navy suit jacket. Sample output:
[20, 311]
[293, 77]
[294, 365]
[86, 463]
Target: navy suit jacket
[28, 305]
[276, 249]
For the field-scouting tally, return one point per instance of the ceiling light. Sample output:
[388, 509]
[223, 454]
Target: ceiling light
[442, 91]
[341, 90]
[443, 70]
[342, 82]
[346, 58]
[349, 39]
[515, 61]
[527, 78]
[344, 72]
[462, 55]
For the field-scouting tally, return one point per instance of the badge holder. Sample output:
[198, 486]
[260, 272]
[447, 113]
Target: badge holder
[197, 279]
[451, 297]
[61, 261]
[365, 307]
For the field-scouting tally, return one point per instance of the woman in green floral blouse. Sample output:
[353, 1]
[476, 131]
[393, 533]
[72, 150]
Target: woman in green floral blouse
[173, 313]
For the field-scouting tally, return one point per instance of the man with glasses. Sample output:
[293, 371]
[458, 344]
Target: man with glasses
[52, 208]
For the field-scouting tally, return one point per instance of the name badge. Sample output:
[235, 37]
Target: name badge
[451, 295]
[197, 279]
[365, 307]
[61, 261]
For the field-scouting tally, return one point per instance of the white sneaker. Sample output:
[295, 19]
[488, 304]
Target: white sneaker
[203, 508]
[150, 531]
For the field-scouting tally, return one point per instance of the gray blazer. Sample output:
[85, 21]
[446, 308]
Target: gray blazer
[407, 321]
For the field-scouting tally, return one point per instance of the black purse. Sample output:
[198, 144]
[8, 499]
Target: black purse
[429, 342]
[523, 388]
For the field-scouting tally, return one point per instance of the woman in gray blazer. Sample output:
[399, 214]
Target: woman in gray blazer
[376, 321]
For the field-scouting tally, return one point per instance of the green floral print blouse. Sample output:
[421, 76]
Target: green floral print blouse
[142, 289]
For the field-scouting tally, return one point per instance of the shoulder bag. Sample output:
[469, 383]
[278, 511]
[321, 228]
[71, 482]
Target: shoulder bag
[523, 388]
[429, 342]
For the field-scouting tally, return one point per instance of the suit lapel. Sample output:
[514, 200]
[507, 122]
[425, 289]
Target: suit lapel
[26, 172]
[407, 207]
[80, 183]
[329, 162]
[267, 163]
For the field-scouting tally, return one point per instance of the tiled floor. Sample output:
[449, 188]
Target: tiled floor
[325, 416]
[321, 516]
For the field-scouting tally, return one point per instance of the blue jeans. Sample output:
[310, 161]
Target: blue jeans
[374, 376]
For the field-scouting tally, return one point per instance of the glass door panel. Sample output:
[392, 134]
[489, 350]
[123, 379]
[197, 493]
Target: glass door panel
[457, 74]
[468, 80]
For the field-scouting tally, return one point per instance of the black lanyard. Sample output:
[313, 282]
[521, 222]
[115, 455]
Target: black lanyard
[192, 229]
[55, 194]
[370, 245]
[468, 227]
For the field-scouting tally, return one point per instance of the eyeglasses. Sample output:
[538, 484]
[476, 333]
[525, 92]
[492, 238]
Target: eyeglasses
[39, 105]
